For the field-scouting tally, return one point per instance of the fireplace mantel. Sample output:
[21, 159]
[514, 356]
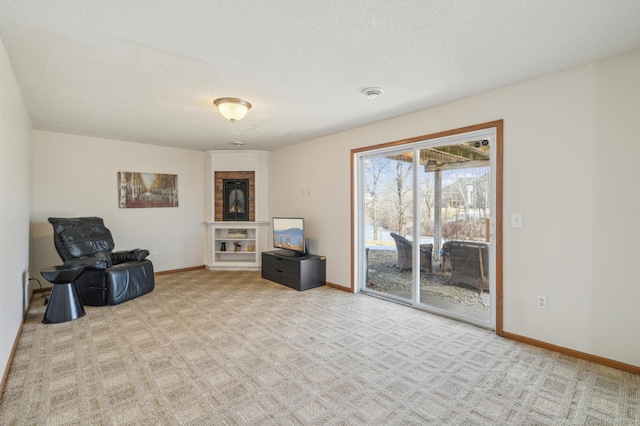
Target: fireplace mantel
[255, 231]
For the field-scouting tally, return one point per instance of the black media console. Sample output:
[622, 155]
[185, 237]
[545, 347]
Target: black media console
[298, 272]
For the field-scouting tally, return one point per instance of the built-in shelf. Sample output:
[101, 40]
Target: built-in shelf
[252, 237]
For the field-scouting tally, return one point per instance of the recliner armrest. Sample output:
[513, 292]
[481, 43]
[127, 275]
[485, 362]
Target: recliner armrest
[129, 256]
[88, 262]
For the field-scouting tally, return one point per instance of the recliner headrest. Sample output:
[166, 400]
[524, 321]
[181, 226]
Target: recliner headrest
[87, 240]
[80, 237]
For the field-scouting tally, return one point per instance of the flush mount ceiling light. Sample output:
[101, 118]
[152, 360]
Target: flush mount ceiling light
[373, 92]
[233, 109]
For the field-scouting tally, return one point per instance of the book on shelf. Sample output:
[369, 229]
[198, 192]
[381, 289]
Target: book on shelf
[237, 233]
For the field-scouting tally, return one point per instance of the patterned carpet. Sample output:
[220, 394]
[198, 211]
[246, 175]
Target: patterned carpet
[228, 348]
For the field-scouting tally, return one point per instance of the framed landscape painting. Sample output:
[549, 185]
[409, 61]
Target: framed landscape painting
[139, 190]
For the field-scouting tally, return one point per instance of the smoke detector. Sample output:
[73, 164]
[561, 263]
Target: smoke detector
[238, 143]
[373, 92]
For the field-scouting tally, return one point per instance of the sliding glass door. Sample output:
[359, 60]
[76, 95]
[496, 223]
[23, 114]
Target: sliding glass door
[388, 220]
[454, 200]
[425, 211]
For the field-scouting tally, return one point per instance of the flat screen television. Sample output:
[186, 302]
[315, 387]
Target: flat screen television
[288, 234]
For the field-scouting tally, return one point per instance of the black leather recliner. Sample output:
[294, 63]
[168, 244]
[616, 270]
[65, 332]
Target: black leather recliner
[110, 277]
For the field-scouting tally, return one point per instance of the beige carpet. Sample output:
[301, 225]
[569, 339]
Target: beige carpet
[227, 348]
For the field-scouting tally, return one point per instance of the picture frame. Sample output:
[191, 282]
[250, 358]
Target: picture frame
[147, 190]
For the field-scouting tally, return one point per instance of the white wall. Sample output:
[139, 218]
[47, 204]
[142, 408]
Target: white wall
[570, 147]
[77, 176]
[614, 319]
[15, 193]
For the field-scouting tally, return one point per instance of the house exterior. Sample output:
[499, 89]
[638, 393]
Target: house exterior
[467, 191]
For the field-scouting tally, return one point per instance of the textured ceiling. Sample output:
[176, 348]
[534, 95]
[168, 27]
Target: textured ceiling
[148, 71]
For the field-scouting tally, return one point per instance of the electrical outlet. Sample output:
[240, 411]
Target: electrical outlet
[541, 302]
[154, 255]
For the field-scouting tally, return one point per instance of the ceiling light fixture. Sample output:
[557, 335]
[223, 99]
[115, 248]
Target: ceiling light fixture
[233, 109]
[238, 143]
[373, 92]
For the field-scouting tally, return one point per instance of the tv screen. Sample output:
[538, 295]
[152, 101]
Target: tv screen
[288, 234]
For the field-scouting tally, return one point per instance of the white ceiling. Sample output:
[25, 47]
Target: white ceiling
[148, 71]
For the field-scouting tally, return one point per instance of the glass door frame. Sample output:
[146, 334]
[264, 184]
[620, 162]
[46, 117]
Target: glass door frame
[491, 131]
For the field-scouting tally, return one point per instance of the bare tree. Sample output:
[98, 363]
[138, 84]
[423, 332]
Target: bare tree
[427, 191]
[374, 172]
[483, 190]
[403, 194]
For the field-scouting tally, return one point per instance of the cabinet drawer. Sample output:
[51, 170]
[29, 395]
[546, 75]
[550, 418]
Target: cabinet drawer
[279, 276]
[281, 263]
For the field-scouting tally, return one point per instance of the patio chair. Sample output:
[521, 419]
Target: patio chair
[469, 263]
[405, 255]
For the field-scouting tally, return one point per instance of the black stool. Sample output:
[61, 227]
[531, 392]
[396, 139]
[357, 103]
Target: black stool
[64, 304]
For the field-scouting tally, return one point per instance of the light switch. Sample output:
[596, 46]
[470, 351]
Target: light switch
[516, 220]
